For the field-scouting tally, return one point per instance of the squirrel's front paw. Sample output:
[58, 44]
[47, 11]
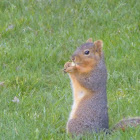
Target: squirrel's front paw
[69, 67]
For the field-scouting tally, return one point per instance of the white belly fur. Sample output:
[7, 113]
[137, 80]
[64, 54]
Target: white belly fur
[78, 94]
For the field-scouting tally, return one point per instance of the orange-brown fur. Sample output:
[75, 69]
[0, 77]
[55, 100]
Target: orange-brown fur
[76, 91]
[85, 68]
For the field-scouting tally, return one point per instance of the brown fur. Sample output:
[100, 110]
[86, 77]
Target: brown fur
[83, 116]
[88, 79]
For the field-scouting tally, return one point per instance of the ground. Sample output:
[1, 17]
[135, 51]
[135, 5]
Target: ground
[37, 37]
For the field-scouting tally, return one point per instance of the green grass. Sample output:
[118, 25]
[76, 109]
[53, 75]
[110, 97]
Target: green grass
[38, 36]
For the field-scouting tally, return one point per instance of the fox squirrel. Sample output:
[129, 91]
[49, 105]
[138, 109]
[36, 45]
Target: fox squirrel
[88, 76]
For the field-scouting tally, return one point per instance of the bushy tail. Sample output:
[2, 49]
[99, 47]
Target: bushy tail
[125, 123]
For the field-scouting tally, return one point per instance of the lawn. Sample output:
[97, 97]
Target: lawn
[37, 37]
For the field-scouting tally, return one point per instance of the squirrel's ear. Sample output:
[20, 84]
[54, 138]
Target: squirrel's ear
[89, 40]
[98, 46]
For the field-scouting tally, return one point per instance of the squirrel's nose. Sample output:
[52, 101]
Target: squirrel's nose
[73, 58]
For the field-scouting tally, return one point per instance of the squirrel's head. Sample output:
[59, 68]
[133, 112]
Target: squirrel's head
[88, 55]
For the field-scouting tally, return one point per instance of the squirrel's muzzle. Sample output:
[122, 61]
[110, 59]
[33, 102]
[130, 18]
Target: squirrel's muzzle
[73, 58]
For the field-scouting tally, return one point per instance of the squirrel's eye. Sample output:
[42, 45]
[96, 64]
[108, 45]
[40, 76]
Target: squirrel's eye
[86, 52]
